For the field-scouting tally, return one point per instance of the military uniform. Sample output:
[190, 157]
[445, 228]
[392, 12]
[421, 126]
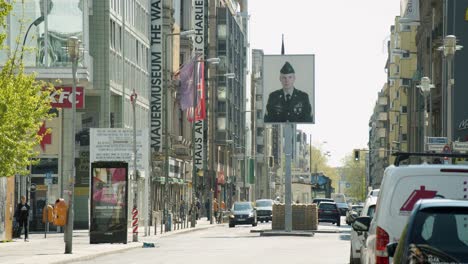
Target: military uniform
[296, 109]
[293, 107]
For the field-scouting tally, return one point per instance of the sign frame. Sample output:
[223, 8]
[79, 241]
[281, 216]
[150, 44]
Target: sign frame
[104, 203]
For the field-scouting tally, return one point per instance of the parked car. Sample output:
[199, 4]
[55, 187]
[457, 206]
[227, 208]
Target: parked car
[264, 210]
[401, 188]
[436, 229]
[342, 208]
[354, 211]
[374, 192]
[243, 213]
[358, 238]
[328, 212]
[318, 200]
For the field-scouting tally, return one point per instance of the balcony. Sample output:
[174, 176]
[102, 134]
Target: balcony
[382, 116]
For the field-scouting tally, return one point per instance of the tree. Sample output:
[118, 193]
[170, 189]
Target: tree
[355, 173]
[319, 164]
[24, 106]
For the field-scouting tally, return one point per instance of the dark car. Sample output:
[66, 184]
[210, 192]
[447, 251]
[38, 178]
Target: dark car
[328, 212]
[342, 208]
[318, 200]
[243, 213]
[437, 230]
[264, 210]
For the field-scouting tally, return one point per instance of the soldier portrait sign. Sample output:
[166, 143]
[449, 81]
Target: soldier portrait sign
[289, 91]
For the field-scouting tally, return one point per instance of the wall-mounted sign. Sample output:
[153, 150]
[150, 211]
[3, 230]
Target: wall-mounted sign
[463, 125]
[62, 97]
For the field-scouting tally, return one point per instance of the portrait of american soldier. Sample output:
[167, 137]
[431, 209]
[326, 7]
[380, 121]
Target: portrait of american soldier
[288, 104]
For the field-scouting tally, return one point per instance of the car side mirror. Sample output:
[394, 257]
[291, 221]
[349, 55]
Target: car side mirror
[391, 248]
[361, 223]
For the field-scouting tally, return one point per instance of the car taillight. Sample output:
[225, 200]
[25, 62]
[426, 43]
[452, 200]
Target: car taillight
[382, 239]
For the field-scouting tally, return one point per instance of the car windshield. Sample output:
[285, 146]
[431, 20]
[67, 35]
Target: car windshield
[242, 206]
[443, 229]
[264, 203]
[342, 205]
[357, 208]
[327, 206]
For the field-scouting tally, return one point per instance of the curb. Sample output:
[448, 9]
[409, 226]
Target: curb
[283, 233]
[131, 246]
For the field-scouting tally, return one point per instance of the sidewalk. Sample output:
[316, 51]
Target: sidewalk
[51, 249]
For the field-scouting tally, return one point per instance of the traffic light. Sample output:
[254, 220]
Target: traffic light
[356, 154]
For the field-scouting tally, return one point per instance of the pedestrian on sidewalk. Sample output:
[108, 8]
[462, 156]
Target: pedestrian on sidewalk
[207, 208]
[216, 210]
[182, 210]
[22, 215]
[198, 205]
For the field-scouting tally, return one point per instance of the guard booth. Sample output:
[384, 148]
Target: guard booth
[109, 196]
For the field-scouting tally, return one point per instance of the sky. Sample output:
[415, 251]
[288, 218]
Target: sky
[348, 39]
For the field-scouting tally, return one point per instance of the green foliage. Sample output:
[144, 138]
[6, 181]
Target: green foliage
[24, 106]
[319, 164]
[355, 173]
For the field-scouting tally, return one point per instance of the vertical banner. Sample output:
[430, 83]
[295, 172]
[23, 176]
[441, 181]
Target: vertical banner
[109, 193]
[156, 75]
[199, 47]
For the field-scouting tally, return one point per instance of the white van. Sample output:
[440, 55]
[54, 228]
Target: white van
[401, 188]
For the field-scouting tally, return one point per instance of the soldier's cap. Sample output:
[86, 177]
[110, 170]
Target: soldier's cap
[287, 69]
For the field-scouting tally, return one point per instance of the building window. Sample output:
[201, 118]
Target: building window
[404, 137]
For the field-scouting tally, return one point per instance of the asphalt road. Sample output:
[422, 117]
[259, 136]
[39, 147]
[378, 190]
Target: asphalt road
[238, 245]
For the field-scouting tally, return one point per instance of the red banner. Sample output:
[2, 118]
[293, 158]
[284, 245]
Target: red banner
[200, 111]
[63, 98]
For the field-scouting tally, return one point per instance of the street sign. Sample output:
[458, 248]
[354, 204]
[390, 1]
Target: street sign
[348, 185]
[437, 140]
[460, 146]
[33, 187]
[435, 147]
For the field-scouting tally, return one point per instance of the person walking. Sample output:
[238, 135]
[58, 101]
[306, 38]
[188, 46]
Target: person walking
[215, 210]
[207, 208]
[198, 205]
[22, 215]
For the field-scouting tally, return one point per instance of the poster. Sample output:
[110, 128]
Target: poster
[109, 193]
[289, 87]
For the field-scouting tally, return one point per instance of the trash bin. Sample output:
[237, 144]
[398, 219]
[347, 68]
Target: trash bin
[60, 212]
[48, 214]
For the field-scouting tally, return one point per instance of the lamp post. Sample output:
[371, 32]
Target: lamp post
[73, 45]
[133, 98]
[36, 22]
[166, 125]
[425, 87]
[449, 48]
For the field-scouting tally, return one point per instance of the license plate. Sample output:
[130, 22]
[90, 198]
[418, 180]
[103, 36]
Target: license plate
[240, 219]
[327, 212]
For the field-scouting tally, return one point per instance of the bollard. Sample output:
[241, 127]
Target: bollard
[135, 220]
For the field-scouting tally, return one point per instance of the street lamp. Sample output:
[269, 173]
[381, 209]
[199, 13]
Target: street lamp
[133, 99]
[166, 125]
[73, 46]
[211, 132]
[425, 87]
[449, 48]
[36, 23]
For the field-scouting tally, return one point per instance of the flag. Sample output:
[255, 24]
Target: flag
[186, 87]
[200, 111]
